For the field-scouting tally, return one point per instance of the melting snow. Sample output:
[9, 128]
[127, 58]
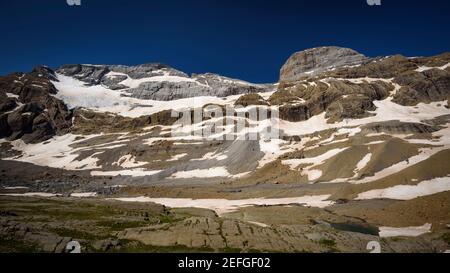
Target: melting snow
[314, 174]
[75, 93]
[408, 192]
[177, 157]
[139, 172]
[206, 173]
[134, 83]
[386, 111]
[258, 224]
[83, 194]
[318, 160]
[350, 131]
[222, 206]
[128, 161]
[212, 155]
[15, 188]
[425, 68]
[11, 95]
[422, 156]
[31, 194]
[55, 153]
[406, 231]
[375, 142]
[315, 161]
[363, 163]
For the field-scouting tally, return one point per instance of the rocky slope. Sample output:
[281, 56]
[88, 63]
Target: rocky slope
[348, 92]
[28, 108]
[159, 82]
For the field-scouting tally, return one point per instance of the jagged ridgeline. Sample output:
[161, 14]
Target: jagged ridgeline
[313, 81]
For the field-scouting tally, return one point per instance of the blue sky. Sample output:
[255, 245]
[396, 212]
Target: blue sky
[247, 39]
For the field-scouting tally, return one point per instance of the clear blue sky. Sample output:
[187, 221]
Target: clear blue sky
[247, 39]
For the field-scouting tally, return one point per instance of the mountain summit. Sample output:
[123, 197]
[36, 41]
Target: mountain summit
[312, 62]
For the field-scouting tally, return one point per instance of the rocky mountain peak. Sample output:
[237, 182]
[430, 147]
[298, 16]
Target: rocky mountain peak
[313, 61]
[29, 109]
[97, 74]
[44, 71]
[156, 81]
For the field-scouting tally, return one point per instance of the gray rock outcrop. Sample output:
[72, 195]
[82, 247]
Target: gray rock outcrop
[163, 88]
[28, 109]
[314, 61]
[339, 99]
[202, 85]
[430, 85]
[96, 74]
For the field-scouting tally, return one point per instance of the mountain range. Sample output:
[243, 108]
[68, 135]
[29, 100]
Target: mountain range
[362, 154]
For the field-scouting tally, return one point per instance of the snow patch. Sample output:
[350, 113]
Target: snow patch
[363, 163]
[386, 111]
[386, 232]
[128, 161]
[15, 188]
[222, 206]
[408, 192]
[211, 156]
[31, 194]
[205, 173]
[318, 160]
[76, 93]
[177, 157]
[55, 153]
[425, 68]
[314, 174]
[11, 95]
[139, 172]
[83, 194]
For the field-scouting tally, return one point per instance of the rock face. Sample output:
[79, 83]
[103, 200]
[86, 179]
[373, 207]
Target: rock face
[90, 122]
[396, 127]
[339, 99]
[28, 109]
[344, 85]
[386, 68]
[314, 61]
[197, 86]
[90, 74]
[160, 82]
[428, 86]
[251, 99]
[96, 74]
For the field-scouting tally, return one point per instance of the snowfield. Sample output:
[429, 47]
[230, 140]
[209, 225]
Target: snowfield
[31, 194]
[223, 206]
[55, 153]
[386, 232]
[207, 173]
[386, 111]
[363, 163]
[76, 93]
[83, 194]
[408, 192]
[139, 172]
